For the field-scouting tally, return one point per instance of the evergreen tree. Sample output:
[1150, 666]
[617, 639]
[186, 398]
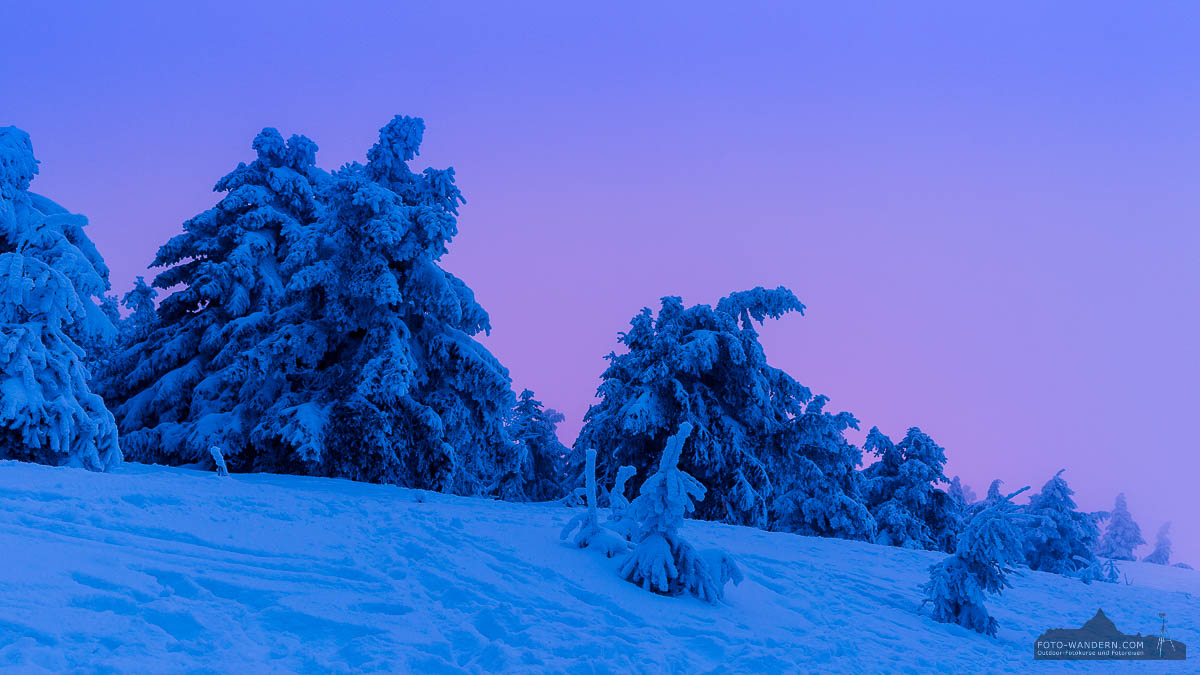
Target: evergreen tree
[537, 474]
[52, 287]
[315, 332]
[379, 377]
[1122, 535]
[983, 558]
[1061, 537]
[962, 494]
[663, 561]
[1161, 555]
[993, 493]
[769, 454]
[909, 510]
[181, 383]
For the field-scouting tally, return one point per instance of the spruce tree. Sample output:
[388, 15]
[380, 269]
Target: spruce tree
[182, 382]
[961, 493]
[902, 494]
[1061, 537]
[537, 471]
[1161, 555]
[315, 331]
[983, 559]
[52, 286]
[1122, 535]
[762, 443]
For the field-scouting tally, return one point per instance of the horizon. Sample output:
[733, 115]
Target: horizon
[989, 215]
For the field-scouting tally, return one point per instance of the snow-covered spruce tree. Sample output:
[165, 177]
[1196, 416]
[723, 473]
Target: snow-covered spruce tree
[962, 494]
[52, 283]
[1060, 538]
[181, 383]
[820, 489]
[538, 473]
[1122, 535]
[315, 332]
[374, 373]
[983, 557]
[769, 454]
[132, 329]
[663, 561]
[1161, 555]
[902, 494]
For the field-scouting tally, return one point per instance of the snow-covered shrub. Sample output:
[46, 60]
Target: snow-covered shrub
[1122, 535]
[536, 472]
[619, 519]
[52, 286]
[377, 336]
[1096, 570]
[616, 498]
[663, 561]
[987, 549]
[769, 454]
[1161, 555]
[586, 525]
[902, 494]
[218, 461]
[1061, 537]
[315, 331]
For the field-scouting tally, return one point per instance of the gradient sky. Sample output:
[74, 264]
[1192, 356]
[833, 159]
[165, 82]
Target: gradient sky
[992, 213]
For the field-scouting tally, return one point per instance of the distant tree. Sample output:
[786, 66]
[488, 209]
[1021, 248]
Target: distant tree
[983, 559]
[962, 494]
[902, 494]
[537, 472]
[120, 359]
[762, 443]
[1061, 537]
[52, 288]
[662, 560]
[993, 493]
[1161, 555]
[1122, 535]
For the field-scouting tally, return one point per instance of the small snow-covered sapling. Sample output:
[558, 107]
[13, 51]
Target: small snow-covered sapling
[618, 518]
[663, 561]
[987, 549]
[219, 461]
[590, 534]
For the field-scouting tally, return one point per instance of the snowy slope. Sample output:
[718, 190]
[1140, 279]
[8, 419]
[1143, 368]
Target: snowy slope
[151, 569]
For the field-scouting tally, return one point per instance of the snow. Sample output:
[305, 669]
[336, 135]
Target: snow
[150, 569]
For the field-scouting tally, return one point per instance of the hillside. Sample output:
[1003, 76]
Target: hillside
[152, 569]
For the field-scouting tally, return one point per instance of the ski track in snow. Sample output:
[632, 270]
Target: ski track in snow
[163, 570]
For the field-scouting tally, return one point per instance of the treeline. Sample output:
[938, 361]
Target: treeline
[309, 328]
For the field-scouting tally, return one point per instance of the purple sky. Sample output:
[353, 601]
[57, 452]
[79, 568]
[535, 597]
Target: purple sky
[992, 215]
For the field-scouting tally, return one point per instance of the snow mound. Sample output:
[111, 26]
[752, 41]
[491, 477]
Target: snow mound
[151, 569]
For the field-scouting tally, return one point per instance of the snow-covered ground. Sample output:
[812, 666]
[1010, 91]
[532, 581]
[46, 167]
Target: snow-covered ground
[152, 569]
